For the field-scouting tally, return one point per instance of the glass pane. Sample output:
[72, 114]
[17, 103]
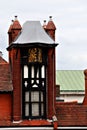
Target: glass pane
[35, 96]
[35, 86]
[43, 83]
[26, 96]
[32, 71]
[41, 96]
[42, 109]
[25, 71]
[37, 81]
[35, 109]
[32, 81]
[25, 83]
[37, 75]
[43, 72]
[26, 109]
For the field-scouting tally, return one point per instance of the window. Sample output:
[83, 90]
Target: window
[33, 62]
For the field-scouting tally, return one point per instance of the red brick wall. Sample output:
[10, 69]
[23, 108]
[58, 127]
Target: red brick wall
[71, 114]
[51, 33]
[16, 79]
[51, 84]
[85, 98]
[5, 107]
[15, 33]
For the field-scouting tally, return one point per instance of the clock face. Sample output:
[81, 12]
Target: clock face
[35, 55]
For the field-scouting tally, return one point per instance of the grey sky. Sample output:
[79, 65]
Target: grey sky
[70, 18]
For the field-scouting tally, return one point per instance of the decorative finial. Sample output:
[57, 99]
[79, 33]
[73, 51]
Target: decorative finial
[44, 21]
[12, 21]
[50, 18]
[16, 17]
[44, 24]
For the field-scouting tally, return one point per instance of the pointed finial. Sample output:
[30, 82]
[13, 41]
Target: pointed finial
[50, 18]
[16, 17]
[44, 21]
[44, 24]
[12, 21]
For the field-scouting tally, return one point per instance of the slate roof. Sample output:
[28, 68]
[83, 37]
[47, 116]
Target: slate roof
[70, 80]
[5, 79]
[33, 33]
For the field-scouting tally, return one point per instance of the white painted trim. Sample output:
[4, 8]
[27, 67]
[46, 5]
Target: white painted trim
[40, 128]
[72, 128]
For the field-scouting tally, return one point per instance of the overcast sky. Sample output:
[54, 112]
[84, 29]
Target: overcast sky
[70, 18]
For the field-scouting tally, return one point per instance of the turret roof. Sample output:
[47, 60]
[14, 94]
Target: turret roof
[15, 25]
[32, 33]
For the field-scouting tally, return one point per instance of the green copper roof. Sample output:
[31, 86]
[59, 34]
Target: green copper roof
[70, 80]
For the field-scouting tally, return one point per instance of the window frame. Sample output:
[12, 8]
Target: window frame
[31, 89]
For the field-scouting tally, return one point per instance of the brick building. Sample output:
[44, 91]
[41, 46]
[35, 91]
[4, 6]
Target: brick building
[28, 85]
[70, 85]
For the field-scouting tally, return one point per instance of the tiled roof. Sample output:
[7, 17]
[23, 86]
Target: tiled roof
[2, 60]
[70, 80]
[5, 79]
